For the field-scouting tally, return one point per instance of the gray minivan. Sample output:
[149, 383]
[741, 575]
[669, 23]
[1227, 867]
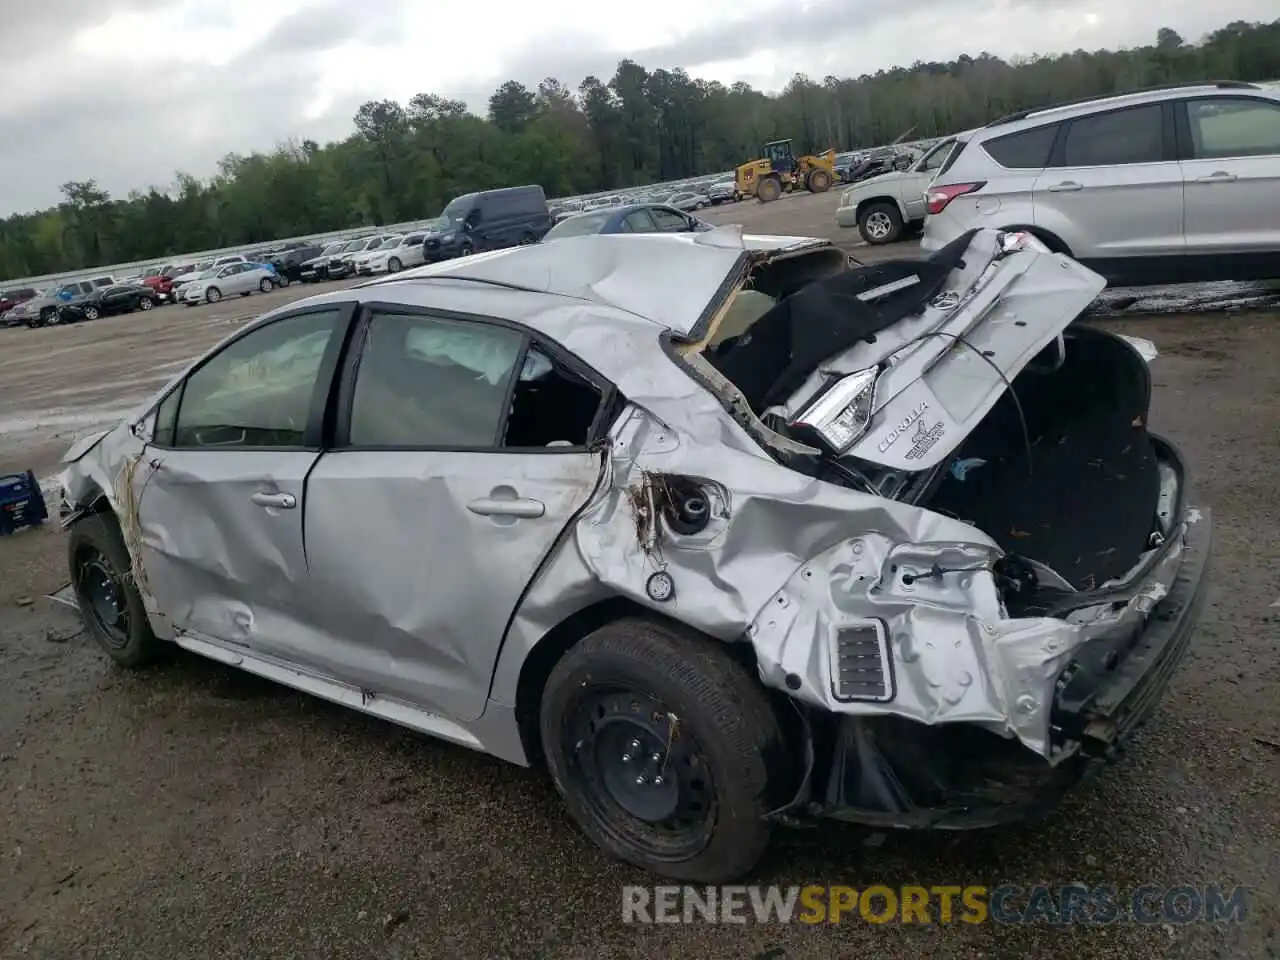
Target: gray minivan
[490, 220]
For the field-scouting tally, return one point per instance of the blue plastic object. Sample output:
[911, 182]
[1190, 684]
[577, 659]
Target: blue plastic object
[21, 502]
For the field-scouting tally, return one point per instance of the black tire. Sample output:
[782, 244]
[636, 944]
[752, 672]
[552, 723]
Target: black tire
[265, 285]
[818, 181]
[768, 189]
[394, 265]
[706, 799]
[212, 295]
[49, 315]
[145, 303]
[102, 578]
[90, 312]
[283, 280]
[466, 250]
[880, 223]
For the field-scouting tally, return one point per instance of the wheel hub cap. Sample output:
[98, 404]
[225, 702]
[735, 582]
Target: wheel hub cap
[878, 225]
[634, 767]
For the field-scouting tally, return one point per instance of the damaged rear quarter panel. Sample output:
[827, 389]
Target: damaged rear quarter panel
[786, 561]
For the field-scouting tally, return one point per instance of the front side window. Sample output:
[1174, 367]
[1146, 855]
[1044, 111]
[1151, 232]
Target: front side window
[426, 382]
[1132, 135]
[257, 391]
[1233, 127]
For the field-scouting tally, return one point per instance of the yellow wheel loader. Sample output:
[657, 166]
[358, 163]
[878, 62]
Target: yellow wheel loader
[780, 171]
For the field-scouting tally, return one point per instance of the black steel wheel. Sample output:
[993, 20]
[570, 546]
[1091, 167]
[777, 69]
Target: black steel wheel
[664, 749]
[109, 602]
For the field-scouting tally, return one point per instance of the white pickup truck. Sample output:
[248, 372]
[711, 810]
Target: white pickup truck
[884, 206]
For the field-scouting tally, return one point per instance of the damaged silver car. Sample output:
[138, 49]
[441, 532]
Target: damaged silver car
[727, 531]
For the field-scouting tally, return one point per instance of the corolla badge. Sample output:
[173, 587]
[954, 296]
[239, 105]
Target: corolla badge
[900, 428]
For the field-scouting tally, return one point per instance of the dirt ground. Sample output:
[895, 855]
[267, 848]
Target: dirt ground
[191, 811]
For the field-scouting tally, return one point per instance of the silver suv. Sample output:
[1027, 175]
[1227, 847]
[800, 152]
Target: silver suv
[1179, 183]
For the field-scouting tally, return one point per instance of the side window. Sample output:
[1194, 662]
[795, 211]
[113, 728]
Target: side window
[426, 382]
[638, 222]
[937, 158]
[551, 406]
[257, 391]
[1132, 135]
[1024, 150]
[1223, 127]
[414, 240]
[668, 220]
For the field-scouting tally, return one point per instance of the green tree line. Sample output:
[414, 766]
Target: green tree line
[405, 161]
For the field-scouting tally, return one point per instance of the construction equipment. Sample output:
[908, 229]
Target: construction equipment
[779, 170]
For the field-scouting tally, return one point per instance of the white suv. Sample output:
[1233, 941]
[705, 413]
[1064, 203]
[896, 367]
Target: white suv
[1179, 183]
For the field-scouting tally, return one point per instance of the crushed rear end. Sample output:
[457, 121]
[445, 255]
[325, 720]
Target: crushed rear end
[962, 681]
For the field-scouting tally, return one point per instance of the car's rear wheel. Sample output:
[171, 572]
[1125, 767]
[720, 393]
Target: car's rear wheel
[145, 303]
[394, 265]
[662, 747]
[213, 295]
[266, 286]
[880, 223]
[102, 578]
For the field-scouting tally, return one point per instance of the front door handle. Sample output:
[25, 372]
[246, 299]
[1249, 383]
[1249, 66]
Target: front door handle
[520, 507]
[1218, 176]
[1067, 186]
[281, 501]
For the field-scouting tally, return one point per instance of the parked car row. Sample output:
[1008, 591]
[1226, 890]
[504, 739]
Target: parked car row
[1176, 184]
[78, 300]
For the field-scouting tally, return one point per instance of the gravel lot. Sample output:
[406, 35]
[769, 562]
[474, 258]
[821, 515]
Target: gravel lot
[193, 811]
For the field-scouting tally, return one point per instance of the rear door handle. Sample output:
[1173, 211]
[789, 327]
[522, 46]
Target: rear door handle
[1067, 186]
[520, 507]
[1218, 176]
[281, 501]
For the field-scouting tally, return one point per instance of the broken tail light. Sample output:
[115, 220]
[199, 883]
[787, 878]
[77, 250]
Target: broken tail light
[841, 414]
[938, 197]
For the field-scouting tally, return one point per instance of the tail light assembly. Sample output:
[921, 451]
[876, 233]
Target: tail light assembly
[938, 197]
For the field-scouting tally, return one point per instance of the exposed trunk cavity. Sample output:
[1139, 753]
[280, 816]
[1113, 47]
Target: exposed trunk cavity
[1078, 489]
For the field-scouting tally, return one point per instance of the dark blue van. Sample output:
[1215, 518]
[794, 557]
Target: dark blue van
[489, 220]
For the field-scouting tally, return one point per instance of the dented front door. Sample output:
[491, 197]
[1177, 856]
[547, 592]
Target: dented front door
[222, 541]
[220, 508]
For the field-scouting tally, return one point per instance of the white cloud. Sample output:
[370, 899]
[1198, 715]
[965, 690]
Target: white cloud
[146, 87]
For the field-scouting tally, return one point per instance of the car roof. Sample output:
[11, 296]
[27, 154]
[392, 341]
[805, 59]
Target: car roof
[663, 279]
[1050, 113]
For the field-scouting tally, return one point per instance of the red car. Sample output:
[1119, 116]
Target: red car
[161, 281]
[11, 298]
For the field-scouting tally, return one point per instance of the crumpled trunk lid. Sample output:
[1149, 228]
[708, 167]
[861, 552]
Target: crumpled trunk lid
[944, 368]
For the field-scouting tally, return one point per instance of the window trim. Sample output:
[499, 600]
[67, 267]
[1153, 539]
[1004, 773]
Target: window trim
[606, 411]
[1168, 144]
[1185, 148]
[315, 431]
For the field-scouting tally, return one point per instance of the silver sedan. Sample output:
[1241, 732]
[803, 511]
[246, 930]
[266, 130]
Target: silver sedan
[235, 278]
[658, 511]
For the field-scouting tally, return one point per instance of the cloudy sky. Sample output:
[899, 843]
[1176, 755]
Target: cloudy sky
[128, 91]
